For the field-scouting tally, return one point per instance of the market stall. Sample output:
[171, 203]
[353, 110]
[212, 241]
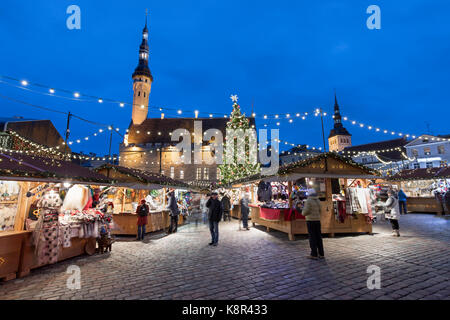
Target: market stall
[348, 204]
[43, 219]
[427, 189]
[134, 185]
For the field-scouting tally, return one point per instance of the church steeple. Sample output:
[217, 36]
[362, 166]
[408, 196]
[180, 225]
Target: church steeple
[337, 113]
[142, 81]
[339, 137]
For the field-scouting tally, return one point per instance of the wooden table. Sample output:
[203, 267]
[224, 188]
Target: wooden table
[28, 258]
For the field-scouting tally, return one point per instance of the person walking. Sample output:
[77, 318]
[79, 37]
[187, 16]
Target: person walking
[142, 212]
[226, 205]
[174, 212]
[392, 212]
[194, 209]
[204, 208]
[311, 211]
[245, 210]
[402, 202]
[214, 216]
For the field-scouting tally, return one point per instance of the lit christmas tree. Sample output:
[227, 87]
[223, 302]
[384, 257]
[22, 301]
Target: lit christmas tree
[235, 170]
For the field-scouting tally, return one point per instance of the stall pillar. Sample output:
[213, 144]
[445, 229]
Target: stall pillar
[289, 193]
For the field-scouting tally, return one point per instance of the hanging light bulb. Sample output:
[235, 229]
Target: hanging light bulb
[122, 104]
[24, 82]
[51, 90]
[76, 95]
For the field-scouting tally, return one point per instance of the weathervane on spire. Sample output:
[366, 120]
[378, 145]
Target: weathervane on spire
[234, 98]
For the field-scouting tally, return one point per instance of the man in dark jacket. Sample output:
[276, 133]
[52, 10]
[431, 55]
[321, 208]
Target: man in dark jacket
[226, 206]
[174, 212]
[214, 215]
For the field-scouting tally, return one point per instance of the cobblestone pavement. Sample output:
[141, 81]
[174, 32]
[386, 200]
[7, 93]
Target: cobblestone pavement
[256, 265]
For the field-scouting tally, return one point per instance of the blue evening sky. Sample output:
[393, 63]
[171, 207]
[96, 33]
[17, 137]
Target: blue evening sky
[284, 56]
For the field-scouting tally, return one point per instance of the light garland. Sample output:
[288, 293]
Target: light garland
[50, 150]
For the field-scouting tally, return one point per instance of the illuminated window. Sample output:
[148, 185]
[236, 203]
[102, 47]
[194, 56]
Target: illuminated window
[172, 172]
[162, 172]
[205, 173]
[199, 174]
[414, 152]
[427, 151]
[181, 174]
[441, 149]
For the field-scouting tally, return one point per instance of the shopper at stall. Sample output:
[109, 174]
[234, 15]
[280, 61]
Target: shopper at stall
[174, 212]
[226, 205]
[392, 212]
[245, 210]
[402, 202]
[311, 211]
[214, 216]
[142, 213]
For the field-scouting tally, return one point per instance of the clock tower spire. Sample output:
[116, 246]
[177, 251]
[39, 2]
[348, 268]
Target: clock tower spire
[142, 81]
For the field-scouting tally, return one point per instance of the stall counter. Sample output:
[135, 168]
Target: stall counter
[10, 249]
[125, 223]
[423, 204]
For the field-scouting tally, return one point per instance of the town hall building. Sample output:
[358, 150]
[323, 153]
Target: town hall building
[148, 145]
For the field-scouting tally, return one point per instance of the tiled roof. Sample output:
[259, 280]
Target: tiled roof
[422, 174]
[143, 176]
[167, 125]
[383, 145]
[18, 165]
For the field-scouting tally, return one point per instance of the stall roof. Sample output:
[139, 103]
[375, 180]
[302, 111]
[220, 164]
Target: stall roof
[36, 168]
[346, 168]
[139, 178]
[422, 174]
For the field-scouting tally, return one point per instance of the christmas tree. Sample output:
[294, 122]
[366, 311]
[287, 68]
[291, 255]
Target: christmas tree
[235, 170]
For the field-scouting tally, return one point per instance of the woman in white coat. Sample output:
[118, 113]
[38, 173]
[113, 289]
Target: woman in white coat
[392, 210]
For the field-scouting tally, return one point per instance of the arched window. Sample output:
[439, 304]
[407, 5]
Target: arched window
[139, 93]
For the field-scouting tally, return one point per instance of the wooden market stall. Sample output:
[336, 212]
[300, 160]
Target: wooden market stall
[133, 185]
[326, 171]
[23, 180]
[425, 188]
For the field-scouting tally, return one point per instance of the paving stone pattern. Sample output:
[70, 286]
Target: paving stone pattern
[256, 265]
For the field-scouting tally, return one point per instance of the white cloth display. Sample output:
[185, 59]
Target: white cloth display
[76, 198]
